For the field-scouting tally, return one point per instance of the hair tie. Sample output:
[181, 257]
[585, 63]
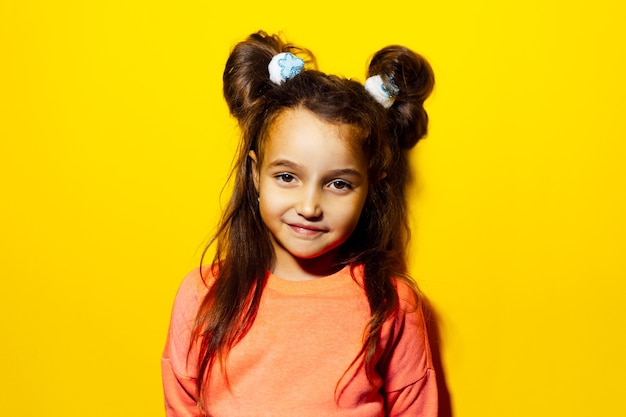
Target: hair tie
[377, 89]
[284, 66]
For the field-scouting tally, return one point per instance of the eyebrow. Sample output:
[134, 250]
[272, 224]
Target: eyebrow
[294, 166]
[284, 163]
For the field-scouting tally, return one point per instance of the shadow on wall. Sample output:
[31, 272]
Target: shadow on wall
[434, 336]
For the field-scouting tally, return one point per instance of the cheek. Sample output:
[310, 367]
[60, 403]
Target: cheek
[271, 203]
[267, 216]
[265, 208]
[351, 213]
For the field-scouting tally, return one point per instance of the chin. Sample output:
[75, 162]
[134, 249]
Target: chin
[307, 256]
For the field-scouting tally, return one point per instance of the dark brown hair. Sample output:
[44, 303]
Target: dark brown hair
[243, 249]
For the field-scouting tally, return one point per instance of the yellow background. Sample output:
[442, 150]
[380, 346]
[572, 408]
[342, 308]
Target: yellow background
[115, 144]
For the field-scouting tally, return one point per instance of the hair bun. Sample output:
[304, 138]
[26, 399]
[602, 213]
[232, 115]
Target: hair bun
[246, 75]
[414, 79]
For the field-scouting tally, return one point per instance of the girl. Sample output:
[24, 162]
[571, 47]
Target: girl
[306, 309]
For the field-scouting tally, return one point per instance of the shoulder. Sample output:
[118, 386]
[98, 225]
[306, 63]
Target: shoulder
[196, 282]
[408, 296]
[407, 356]
[193, 288]
[190, 295]
[409, 322]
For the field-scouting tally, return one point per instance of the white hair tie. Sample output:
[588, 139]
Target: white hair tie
[377, 89]
[284, 66]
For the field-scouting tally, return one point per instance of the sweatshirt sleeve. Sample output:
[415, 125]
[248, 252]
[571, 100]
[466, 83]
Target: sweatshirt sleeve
[418, 399]
[410, 385]
[178, 374]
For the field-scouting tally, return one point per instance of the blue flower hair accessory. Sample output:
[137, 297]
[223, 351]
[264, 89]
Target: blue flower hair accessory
[377, 89]
[284, 66]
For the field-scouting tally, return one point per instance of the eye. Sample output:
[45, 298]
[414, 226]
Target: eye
[284, 177]
[340, 185]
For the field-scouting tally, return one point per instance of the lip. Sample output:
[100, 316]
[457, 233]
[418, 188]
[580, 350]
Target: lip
[305, 229]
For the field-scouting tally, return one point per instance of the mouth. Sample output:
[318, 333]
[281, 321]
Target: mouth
[306, 230]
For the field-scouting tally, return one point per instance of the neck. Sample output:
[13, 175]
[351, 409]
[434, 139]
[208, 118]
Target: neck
[292, 268]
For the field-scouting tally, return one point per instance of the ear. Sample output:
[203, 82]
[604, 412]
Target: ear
[255, 170]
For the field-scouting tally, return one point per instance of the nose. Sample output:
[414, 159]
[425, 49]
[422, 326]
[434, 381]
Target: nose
[309, 204]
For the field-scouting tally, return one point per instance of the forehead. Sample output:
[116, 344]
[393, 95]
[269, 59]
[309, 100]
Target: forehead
[300, 130]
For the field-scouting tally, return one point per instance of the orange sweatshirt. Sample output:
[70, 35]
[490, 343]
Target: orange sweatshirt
[294, 359]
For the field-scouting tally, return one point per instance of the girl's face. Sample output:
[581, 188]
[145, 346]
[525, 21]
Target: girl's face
[312, 185]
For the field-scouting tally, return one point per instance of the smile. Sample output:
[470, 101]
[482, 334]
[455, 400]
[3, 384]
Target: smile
[305, 230]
